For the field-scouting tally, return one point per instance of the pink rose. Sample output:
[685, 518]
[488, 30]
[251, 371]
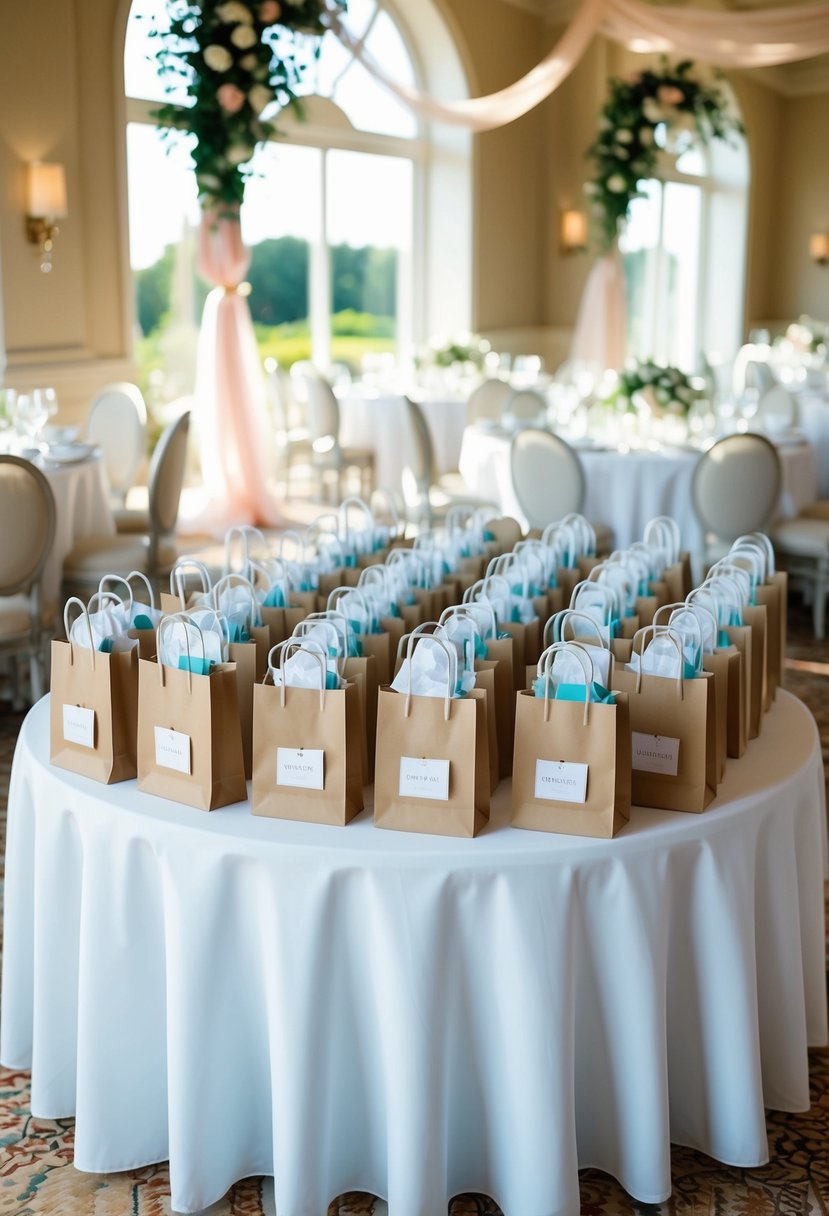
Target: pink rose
[231, 98]
[670, 95]
[269, 11]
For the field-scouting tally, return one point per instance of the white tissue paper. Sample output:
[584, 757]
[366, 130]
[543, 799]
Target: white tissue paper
[432, 672]
[661, 657]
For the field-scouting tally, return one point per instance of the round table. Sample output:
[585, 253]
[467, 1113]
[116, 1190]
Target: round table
[415, 1016]
[625, 490]
[377, 420]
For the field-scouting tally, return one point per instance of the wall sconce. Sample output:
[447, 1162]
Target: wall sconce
[46, 199]
[573, 234]
[819, 247]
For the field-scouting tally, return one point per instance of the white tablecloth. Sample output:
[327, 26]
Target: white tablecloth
[82, 509]
[626, 489]
[379, 421]
[813, 421]
[415, 1016]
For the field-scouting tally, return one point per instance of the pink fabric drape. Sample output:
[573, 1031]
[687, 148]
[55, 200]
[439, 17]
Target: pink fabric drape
[600, 335]
[231, 415]
[741, 39]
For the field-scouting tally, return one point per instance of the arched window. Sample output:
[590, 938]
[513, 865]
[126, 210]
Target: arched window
[684, 255]
[346, 254]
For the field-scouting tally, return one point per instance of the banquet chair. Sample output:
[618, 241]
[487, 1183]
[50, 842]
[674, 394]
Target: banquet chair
[25, 621]
[487, 401]
[735, 489]
[427, 496]
[548, 481]
[526, 405]
[777, 409]
[328, 456]
[152, 552]
[117, 423]
[293, 440]
[801, 546]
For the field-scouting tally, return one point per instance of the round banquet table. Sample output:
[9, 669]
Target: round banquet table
[376, 420]
[626, 489]
[415, 1016]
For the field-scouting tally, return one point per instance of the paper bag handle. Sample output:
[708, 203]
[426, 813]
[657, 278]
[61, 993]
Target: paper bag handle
[559, 620]
[544, 668]
[243, 532]
[229, 581]
[452, 676]
[117, 578]
[663, 528]
[294, 644]
[74, 601]
[585, 532]
[469, 597]
[662, 631]
[141, 576]
[179, 618]
[177, 582]
[337, 594]
[739, 575]
[700, 609]
[611, 597]
[424, 628]
[762, 542]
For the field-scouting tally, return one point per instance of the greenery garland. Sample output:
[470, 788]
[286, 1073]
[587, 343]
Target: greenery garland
[236, 60]
[626, 150]
[666, 389]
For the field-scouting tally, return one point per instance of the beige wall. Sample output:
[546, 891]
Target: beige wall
[60, 100]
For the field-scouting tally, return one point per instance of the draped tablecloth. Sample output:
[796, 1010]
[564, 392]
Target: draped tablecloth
[415, 1016]
[626, 489]
[82, 509]
[378, 421]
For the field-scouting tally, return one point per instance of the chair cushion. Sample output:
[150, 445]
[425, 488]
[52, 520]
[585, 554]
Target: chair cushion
[97, 555]
[130, 522]
[802, 537]
[817, 510]
[16, 617]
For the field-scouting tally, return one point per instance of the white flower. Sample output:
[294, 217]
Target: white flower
[206, 181]
[248, 62]
[233, 12]
[237, 154]
[217, 58]
[590, 188]
[663, 396]
[624, 136]
[244, 36]
[652, 110]
[646, 136]
[621, 153]
[259, 97]
[616, 184]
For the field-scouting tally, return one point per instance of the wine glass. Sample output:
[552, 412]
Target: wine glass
[31, 412]
[8, 402]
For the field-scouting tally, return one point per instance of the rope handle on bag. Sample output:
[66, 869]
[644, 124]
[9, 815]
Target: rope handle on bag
[544, 668]
[737, 573]
[294, 644]
[117, 578]
[468, 623]
[661, 631]
[74, 601]
[243, 532]
[186, 623]
[359, 596]
[611, 598]
[667, 528]
[675, 610]
[701, 608]
[564, 617]
[429, 628]
[451, 679]
[586, 533]
[227, 583]
[177, 581]
[762, 542]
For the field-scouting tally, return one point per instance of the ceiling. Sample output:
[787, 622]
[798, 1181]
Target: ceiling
[790, 79]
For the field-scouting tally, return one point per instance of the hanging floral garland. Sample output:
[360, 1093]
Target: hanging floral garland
[640, 108]
[235, 61]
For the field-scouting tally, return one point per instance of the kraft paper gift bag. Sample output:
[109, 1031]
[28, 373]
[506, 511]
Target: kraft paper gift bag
[673, 724]
[93, 708]
[189, 736]
[771, 590]
[699, 630]
[572, 766]
[307, 761]
[432, 771]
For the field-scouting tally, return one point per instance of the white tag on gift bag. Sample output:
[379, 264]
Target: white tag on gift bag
[79, 725]
[172, 749]
[300, 767]
[424, 778]
[655, 754]
[557, 781]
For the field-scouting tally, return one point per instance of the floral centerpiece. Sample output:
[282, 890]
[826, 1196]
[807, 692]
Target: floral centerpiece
[667, 390]
[640, 110]
[237, 61]
[808, 336]
[463, 348]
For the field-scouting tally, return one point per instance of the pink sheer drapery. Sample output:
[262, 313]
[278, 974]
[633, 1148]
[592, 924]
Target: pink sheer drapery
[600, 335]
[741, 39]
[230, 414]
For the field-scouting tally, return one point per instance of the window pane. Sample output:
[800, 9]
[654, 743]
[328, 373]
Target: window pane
[163, 218]
[681, 239]
[369, 229]
[639, 245]
[141, 76]
[282, 226]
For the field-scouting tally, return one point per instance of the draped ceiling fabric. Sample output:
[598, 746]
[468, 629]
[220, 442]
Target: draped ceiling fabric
[230, 388]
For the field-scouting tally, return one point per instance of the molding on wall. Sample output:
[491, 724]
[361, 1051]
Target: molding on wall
[76, 381]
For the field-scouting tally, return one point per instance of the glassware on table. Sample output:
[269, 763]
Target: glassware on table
[30, 414]
[8, 403]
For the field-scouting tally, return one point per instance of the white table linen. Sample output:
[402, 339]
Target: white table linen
[415, 1016]
[813, 421]
[82, 509]
[378, 421]
[626, 489]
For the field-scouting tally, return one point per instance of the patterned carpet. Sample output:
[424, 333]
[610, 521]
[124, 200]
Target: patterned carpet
[37, 1177]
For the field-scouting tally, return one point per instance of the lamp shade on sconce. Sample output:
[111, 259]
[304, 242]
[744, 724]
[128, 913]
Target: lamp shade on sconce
[47, 191]
[819, 247]
[573, 230]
